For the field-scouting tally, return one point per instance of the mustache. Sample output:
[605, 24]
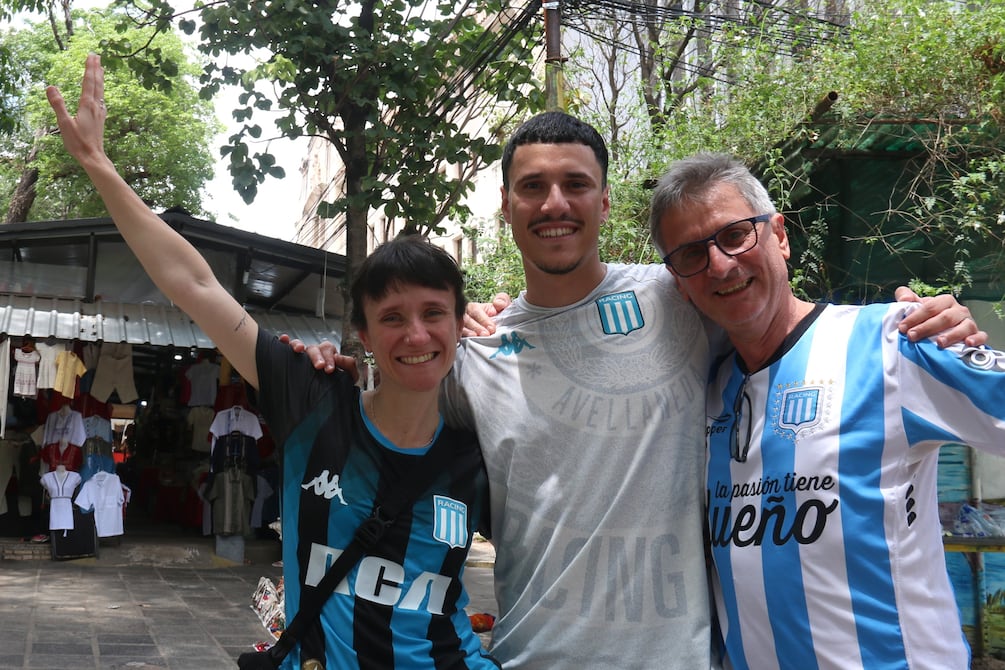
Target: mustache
[565, 218]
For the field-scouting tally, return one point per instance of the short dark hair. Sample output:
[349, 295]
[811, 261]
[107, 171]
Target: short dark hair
[403, 261]
[555, 128]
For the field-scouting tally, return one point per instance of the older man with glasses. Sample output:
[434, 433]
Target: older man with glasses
[824, 429]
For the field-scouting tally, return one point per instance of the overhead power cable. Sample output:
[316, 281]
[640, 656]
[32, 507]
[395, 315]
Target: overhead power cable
[790, 35]
[491, 46]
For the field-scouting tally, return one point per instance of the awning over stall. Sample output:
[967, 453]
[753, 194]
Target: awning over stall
[77, 280]
[144, 324]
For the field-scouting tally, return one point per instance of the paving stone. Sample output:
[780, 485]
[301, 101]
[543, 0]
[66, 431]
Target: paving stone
[142, 608]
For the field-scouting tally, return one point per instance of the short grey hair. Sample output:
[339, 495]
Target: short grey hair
[690, 179]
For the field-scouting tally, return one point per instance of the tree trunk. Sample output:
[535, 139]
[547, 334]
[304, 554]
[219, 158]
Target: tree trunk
[357, 167]
[24, 195]
[355, 232]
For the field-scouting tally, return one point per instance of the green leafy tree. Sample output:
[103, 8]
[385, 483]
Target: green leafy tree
[391, 85]
[751, 80]
[10, 68]
[159, 140]
[657, 75]
[500, 268]
[935, 70]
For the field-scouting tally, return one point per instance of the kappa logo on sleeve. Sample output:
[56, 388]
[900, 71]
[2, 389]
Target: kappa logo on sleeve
[511, 344]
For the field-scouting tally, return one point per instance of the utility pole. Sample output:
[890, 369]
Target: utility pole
[553, 60]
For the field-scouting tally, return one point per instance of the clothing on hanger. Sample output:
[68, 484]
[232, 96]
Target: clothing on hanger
[5, 380]
[47, 363]
[9, 451]
[115, 373]
[65, 425]
[232, 494]
[26, 372]
[234, 434]
[199, 419]
[203, 378]
[62, 438]
[68, 368]
[103, 493]
[60, 484]
[236, 419]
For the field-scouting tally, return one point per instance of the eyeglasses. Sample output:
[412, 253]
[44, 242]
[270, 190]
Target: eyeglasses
[741, 423]
[732, 239]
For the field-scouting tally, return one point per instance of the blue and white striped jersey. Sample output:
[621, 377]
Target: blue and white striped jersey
[826, 539]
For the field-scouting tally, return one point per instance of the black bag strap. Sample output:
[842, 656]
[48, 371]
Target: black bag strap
[366, 537]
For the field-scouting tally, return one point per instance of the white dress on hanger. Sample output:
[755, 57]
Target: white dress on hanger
[25, 374]
[47, 364]
[60, 484]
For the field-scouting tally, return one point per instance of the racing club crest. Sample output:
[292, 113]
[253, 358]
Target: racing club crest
[800, 408]
[620, 313]
[450, 521]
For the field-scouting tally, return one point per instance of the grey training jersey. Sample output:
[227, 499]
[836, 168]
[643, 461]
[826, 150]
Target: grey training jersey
[591, 421]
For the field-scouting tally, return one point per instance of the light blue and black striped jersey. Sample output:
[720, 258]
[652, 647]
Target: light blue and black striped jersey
[826, 541]
[402, 605]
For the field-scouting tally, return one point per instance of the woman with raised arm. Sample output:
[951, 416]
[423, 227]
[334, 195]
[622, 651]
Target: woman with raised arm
[345, 451]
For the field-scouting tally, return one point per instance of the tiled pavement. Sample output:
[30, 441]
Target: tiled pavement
[110, 612]
[60, 615]
[152, 602]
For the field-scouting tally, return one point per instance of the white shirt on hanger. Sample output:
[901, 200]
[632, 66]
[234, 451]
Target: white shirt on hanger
[103, 493]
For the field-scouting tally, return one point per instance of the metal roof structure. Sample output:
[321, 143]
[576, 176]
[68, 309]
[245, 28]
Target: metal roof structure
[824, 138]
[144, 324]
[77, 280]
[853, 184]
